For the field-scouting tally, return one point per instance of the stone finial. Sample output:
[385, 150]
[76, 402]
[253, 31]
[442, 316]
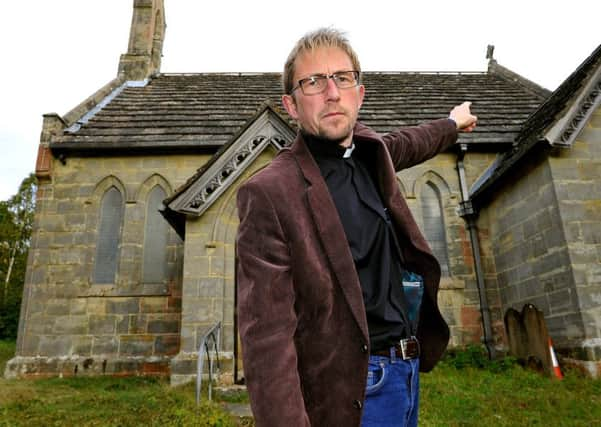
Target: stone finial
[143, 57]
[490, 50]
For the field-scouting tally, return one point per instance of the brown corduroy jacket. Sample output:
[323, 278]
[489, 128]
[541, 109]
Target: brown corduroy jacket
[302, 323]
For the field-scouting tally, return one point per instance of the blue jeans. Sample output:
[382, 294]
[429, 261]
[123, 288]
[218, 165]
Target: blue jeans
[392, 394]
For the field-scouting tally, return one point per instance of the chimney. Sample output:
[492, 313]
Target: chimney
[143, 57]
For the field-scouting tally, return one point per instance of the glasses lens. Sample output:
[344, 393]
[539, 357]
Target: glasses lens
[314, 84]
[345, 79]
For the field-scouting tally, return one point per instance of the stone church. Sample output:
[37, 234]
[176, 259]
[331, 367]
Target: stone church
[132, 256]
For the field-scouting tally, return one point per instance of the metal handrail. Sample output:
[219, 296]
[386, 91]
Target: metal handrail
[213, 333]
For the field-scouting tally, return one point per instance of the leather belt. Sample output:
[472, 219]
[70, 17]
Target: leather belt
[405, 349]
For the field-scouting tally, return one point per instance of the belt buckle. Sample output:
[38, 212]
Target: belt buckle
[404, 345]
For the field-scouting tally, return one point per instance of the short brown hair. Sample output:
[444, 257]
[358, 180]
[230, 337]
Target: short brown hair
[322, 37]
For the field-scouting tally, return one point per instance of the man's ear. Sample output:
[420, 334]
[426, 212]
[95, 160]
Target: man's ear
[290, 106]
[361, 94]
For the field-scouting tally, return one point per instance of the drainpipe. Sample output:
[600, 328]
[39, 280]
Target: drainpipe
[469, 215]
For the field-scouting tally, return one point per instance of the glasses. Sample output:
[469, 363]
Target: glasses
[318, 83]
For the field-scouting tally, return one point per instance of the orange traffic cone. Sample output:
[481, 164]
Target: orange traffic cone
[556, 369]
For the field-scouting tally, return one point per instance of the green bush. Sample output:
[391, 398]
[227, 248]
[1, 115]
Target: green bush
[476, 356]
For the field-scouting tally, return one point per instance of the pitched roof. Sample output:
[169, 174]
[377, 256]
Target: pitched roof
[556, 122]
[207, 110]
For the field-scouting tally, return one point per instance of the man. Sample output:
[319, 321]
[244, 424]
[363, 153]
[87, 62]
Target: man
[324, 242]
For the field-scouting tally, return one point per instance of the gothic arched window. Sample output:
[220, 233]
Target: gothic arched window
[154, 269]
[434, 228]
[109, 236]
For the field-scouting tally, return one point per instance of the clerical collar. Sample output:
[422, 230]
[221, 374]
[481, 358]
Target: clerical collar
[324, 148]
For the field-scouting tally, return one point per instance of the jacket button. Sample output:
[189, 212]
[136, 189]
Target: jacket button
[364, 348]
[357, 404]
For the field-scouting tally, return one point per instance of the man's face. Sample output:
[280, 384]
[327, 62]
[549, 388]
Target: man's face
[331, 114]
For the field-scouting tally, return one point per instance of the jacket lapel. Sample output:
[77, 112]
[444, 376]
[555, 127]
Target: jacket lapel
[406, 228]
[331, 232]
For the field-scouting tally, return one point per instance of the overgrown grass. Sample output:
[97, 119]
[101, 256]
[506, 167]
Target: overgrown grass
[464, 390]
[468, 390]
[103, 401]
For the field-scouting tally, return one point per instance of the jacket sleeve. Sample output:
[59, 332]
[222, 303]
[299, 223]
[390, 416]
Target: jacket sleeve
[266, 315]
[413, 145]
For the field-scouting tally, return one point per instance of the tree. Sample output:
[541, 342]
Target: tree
[16, 223]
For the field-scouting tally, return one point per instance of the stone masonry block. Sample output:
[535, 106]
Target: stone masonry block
[591, 232]
[530, 287]
[593, 275]
[123, 306]
[590, 134]
[198, 248]
[589, 170]
[153, 305]
[53, 345]
[136, 345]
[197, 310]
[97, 305]
[38, 274]
[595, 120]
[78, 306]
[167, 345]
[189, 288]
[122, 322]
[583, 254]
[62, 239]
[230, 288]
[196, 267]
[52, 223]
[183, 366]
[70, 325]
[163, 326]
[188, 338]
[138, 324]
[66, 206]
[592, 208]
[210, 287]
[217, 266]
[561, 301]
[153, 163]
[57, 307]
[38, 324]
[102, 325]
[82, 345]
[105, 345]
[553, 238]
[30, 346]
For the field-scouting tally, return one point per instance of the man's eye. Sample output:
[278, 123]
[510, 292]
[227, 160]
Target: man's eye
[312, 81]
[343, 78]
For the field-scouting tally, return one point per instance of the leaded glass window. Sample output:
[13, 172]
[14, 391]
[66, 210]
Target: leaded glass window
[434, 228]
[109, 236]
[156, 232]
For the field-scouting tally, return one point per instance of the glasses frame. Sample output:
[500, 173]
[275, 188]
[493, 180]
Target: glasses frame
[333, 76]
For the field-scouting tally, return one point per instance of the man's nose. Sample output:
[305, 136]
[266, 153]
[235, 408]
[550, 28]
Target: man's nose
[332, 91]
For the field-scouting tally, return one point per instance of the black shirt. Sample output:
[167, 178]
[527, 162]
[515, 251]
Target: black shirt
[370, 237]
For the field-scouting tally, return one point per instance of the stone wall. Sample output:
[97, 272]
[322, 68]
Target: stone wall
[530, 253]
[209, 279]
[73, 326]
[576, 173]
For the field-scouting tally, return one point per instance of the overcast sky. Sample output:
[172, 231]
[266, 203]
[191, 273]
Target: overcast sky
[57, 53]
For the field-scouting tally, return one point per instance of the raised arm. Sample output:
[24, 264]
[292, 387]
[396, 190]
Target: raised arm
[413, 145]
[267, 320]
